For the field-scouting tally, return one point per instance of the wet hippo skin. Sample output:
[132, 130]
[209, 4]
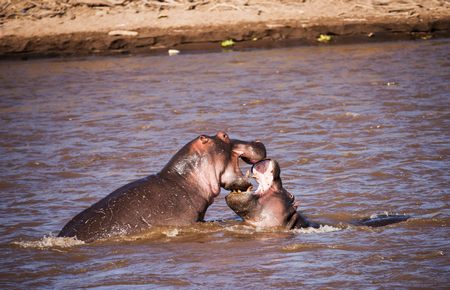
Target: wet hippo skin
[176, 196]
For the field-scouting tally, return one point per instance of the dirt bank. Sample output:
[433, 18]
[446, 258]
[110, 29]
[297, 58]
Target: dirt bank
[85, 27]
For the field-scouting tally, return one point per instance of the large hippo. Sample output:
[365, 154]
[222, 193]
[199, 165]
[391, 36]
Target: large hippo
[176, 196]
[273, 206]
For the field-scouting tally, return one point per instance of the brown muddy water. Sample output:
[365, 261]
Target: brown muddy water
[357, 129]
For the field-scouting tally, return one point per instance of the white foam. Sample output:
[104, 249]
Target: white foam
[321, 229]
[50, 242]
[241, 229]
[171, 233]
[244, 229]
[378, 215]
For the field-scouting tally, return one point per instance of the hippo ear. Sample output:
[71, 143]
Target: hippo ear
[204, 139]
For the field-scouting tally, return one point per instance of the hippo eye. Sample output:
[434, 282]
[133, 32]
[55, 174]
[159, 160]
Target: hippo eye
[225, 136]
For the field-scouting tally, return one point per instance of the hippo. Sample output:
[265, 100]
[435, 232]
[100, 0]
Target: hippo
[270, 205]
[178, 195]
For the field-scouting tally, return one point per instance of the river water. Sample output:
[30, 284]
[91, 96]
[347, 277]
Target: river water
[357, 129]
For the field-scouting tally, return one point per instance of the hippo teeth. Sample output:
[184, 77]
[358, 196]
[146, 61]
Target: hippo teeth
[249, 189]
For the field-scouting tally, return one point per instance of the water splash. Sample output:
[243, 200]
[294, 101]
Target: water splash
[378, 215]
[321, 229]
[50, 242]
[171, 233]
[242, 229]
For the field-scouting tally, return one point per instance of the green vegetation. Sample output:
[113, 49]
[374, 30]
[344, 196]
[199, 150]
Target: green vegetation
[227, 43]
[324, 38]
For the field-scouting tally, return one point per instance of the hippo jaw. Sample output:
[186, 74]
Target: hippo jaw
[245, 203]
[239, 200]
[269, 205]
[250, 152]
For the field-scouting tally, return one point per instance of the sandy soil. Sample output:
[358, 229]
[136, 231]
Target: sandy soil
[83, 27]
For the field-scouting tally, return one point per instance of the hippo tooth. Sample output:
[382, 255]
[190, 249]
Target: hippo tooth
[247, 174]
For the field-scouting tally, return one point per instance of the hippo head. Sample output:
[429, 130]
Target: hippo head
[211, 162]
[270, 205]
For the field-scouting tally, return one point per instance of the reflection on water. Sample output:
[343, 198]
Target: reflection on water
[357, 129]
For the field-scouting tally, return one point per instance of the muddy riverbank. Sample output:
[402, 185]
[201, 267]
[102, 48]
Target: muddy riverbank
[101, 27]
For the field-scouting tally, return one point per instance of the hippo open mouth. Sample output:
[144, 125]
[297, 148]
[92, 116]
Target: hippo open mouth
[244, 202]
[249, 152]
[270, 205]
[263, 172]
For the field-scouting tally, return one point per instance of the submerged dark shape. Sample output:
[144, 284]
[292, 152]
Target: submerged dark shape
[273, 206]
[178, 195]
[381, 220]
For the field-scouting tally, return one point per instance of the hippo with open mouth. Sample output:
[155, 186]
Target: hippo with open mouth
[270, 205]
[176, 196]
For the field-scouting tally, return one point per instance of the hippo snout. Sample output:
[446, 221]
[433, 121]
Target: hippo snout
[250, 152]
[241, 184]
